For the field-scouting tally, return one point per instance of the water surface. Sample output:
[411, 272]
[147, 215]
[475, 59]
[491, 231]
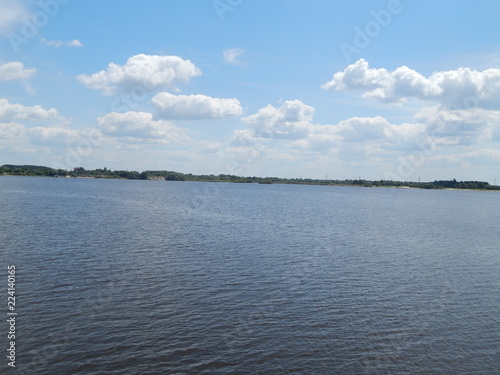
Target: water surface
[150, 277]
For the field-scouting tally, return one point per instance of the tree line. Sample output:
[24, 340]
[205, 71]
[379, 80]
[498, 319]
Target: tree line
[34, 170]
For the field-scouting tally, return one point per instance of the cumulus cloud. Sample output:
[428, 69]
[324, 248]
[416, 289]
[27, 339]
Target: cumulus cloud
[290, 111]
[381, 84]
[461, 88]
[291, 121]
[139, 126]
[232, 55]
[59, 43]
[10, 112]
[150, 72]
[15, 70]
[465, 88]
[360, 129]
[190, 107]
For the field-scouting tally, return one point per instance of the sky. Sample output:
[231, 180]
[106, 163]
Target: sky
[401, 90]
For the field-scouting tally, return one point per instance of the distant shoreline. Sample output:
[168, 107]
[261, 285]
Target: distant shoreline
[41, 171]
[274, 183]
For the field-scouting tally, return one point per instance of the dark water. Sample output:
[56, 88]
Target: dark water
[148, 277]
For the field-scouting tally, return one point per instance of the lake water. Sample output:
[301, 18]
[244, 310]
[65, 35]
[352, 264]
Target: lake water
[150, 277]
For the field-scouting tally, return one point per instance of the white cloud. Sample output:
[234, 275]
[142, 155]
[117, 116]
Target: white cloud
[380, 84]
[360, 129]
[461, 88]
[465, 88]
[12, 12]
[15, 70]
[9, 112]
[232, 55]
[59, 43]
[463, 127]
[290, 111]
[139, 127]
[149, 72]
[291, 121]
[195, 107]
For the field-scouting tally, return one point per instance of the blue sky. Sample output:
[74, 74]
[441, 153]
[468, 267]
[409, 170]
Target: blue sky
[394, 89]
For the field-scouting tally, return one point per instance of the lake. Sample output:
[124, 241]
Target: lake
[156, 277]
